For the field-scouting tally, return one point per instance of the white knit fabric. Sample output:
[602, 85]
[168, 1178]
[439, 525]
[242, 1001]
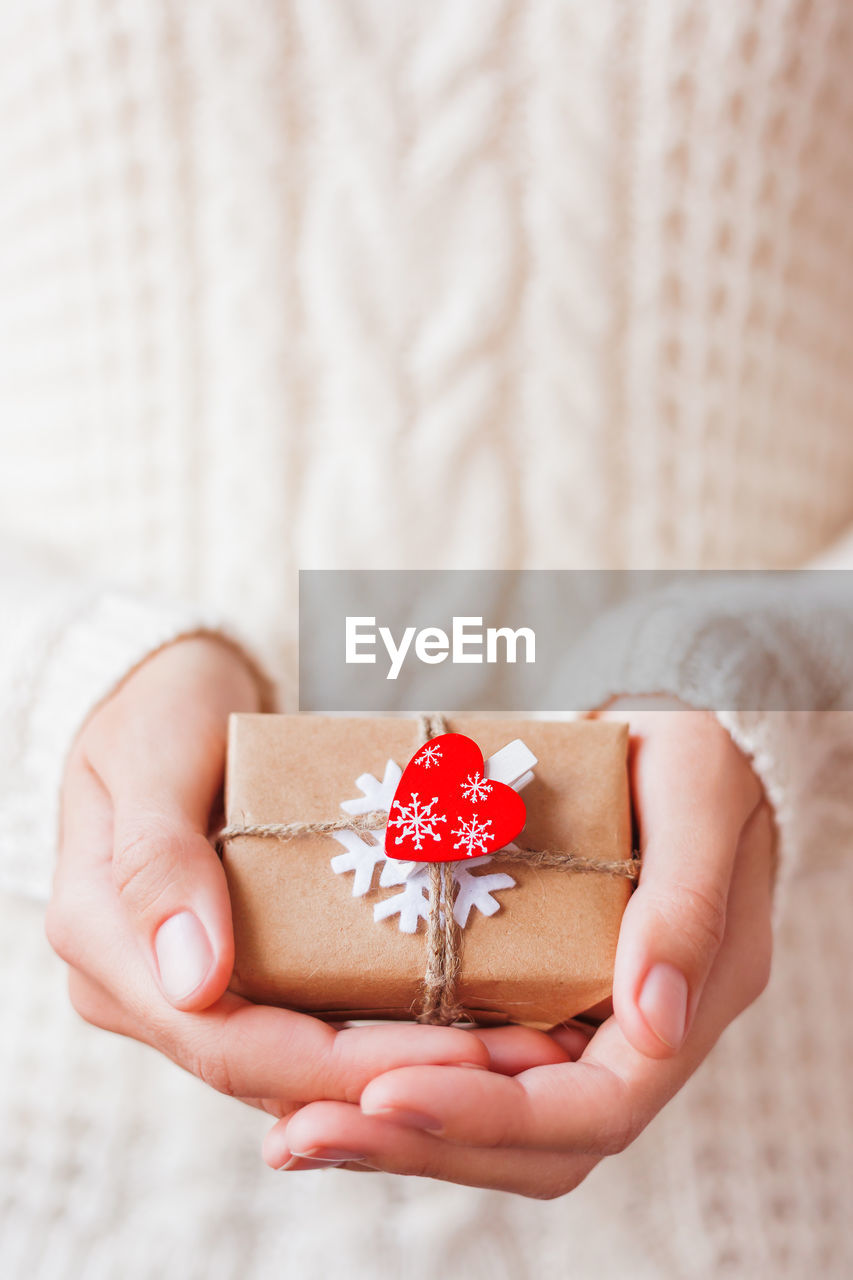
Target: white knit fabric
[319, 284]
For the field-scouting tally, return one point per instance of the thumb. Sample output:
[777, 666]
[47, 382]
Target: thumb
[671, 931]
[168, 876]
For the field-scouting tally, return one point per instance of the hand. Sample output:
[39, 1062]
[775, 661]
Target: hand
[140, 908]
[694, 951]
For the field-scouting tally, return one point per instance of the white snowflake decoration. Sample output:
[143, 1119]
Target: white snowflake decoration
[416, 820]
[475, 788]
[476, 891]
[411, 904]
[360, 858]
[375, 795]
[428, 755]
[473, 835]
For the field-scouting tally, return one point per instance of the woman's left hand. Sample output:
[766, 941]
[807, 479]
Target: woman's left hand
[694, 951]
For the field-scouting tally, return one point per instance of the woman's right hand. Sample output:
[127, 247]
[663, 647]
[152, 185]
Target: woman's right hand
[140, 909]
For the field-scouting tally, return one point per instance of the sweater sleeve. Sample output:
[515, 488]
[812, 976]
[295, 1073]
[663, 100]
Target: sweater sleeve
[777, 670]
[65, 644]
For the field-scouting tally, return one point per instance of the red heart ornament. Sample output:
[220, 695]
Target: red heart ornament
[445, 810]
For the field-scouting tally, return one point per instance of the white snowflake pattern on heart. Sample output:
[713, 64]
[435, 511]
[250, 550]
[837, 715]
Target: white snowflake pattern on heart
[475, 788]
[473, 835]
[416, 820]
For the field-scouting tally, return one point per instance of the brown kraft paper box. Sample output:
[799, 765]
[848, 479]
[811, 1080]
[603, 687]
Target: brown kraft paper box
[304, 942]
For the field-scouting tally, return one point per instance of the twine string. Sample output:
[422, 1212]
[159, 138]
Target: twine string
[438, 1004]
[363, 825]
[438, 1000]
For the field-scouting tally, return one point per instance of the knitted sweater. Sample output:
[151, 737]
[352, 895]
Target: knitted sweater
[280, 283]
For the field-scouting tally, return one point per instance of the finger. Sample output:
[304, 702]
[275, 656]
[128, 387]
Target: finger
[312, 1140]
[256, 1051]
[513, 1049]
[601, 1103]
[239, 1048]
[168, 877]
[692, 800]
[99, 1008]
[272, 1107]
[243, 1049]
[83, 860]
[259, 1051]
[569, 1106]
[573, 1039]
[86, 821]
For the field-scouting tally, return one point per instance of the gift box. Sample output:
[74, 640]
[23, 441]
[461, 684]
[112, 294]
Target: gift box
[325, 923]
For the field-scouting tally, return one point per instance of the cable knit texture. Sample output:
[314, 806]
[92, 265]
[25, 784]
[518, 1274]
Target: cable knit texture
[307, 284]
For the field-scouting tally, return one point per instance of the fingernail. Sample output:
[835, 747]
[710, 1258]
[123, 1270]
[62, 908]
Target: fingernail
[411, 1119]
[303, 1164]
[320, 1158]
[184, 954]
[663, 1003]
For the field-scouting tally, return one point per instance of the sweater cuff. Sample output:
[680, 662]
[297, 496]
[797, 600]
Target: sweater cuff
[765, 739]
[690, 649]
[803, 759]
[87, 658]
